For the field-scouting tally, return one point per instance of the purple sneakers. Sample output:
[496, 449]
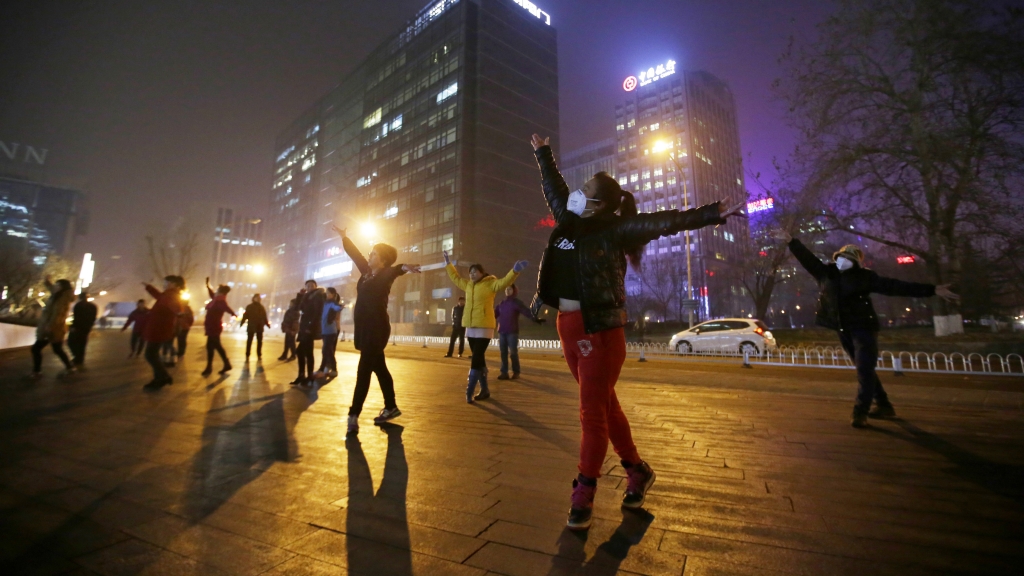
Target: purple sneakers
[640, 478]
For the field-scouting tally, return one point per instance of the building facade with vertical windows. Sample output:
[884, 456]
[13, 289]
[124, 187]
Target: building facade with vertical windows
[238, 257]
[692, 116]
[580, 165]
[425, 146]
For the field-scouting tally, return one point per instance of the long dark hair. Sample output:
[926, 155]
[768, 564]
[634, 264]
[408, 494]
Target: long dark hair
[615, 199]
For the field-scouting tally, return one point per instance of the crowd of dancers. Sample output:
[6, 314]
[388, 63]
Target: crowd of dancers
[598, 233]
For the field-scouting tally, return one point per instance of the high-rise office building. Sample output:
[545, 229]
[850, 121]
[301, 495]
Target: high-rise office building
[43, 218]
[238, 256]
[425, 146]
[691, 117]
[581, 164]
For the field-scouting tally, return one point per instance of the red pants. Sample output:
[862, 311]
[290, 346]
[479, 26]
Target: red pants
[595, 361]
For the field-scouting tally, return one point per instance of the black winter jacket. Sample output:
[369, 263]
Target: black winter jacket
[844, 300]
[600, 244]
[457, 311]
[370, 315]
[256, 315]
[311, 309]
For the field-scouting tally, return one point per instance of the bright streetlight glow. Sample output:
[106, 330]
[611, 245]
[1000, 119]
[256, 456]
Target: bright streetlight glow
[661, 146]
[369, 230]
[184, 296]
[259, 269]
[103, 292]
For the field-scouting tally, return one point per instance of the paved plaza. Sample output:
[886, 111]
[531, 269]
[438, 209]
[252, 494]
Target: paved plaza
[759, 472]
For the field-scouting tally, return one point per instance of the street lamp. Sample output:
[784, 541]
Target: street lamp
[259, 269]
[369, 230]
[666, 146]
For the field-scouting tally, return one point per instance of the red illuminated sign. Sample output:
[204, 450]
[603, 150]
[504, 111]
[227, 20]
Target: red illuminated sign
[546, 222]
[629, 84]
[905, 259]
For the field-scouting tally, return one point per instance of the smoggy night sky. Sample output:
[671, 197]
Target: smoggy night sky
[151, 105]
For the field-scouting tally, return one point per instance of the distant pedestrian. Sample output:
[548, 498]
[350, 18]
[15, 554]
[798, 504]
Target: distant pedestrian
[844, 305]
[311, 308]
[160, 325]
[52, 326]
[478, 319]
[597, 231]
[458, 330]
[256, 315]
[330, 326]
[290, 328]
[137, 319]
[83, 318]
[373, 325]
[185, 321]
[216, 308]
[507, 314]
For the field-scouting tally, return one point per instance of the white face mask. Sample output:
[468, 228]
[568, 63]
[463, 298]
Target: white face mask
[577, 203]
[844, 263]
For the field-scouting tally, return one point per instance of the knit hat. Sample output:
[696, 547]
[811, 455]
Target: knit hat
[852, 252]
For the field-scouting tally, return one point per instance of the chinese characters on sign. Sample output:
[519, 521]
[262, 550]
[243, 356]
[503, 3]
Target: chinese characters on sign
[650, 75]
[908, 259]
[532, 9]
[760, 205]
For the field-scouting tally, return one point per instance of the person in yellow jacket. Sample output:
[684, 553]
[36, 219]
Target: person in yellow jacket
[478, 318]
[53, 327]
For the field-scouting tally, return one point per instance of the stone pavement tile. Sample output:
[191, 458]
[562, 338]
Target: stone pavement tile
[774, 557]
[449, 500]
[101, 507]
[944, 559]
[41, 527]
[374, 557]
[707, 468]
[673, 511]
[304, 566]
[724, 495]
[251, 523]
[394, 532]
[511, 561]
[31, 482]
[38, 562]
[134, 557]
[699, 566]
[227, 551]
[927, 536]
[10, 498]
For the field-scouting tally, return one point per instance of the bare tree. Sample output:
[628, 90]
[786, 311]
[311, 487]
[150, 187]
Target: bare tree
[18, 271]
[658, 284]
[177, 250]
[911, 119]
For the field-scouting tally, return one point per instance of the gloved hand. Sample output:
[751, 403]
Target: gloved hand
[447, 258]
[520, 266]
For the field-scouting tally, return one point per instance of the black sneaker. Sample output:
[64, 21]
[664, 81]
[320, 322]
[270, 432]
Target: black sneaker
[482, 396]
[298, 381]
[208, 371]
[515, 376]
[581, 513]
[640, 479]
[882, 411]
[225, 370]
[387, 414]
[502, 376]
[447, 355]
[859, 418]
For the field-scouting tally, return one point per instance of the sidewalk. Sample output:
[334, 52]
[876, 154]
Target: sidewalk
[758, 470]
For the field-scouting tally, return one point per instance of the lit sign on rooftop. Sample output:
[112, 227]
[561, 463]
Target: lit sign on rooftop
[652, 74]
[761, 205]
[532, 9]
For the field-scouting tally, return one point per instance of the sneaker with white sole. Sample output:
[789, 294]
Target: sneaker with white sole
[387, 414]
[581, 511]
[353, 425]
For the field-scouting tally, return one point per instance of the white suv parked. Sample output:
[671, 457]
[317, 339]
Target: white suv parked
[725, 335]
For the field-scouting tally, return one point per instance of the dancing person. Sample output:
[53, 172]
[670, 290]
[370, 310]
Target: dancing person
[582, 274]
[478, 318]
[311, 308]
[372, 329]
[185, 321]
[52, 326]
[256, 315]
[83, 318]
[844, 305]
[330, 326]
[137, 319]
[458, 330]
[214, 325]
[290, 328]
[160, 326]
[507, 314]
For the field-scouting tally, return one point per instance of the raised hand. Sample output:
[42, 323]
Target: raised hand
[538, 142]
[207, 281]
[340, 231]
[520, 266]
[943, 291]
[412, 268]
[736, 210]
[447, 258]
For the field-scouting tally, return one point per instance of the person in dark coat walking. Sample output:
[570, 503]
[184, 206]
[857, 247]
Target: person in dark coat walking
[83, 316]
[160, 324]
[290, 328]
[137, 319]
[256, 315]
[216, 308]
[52, 327]
[311, 309]
[844, 305]
[458, 330]
[507, 313]
[185, 321]
[597, 231]
[373, 325]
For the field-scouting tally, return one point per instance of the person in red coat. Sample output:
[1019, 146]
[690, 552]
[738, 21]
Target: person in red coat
[214, 324]
[160, 326]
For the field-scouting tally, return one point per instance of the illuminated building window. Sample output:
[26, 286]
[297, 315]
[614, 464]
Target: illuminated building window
[620, 127]
[647, 185]
[634, 177]
[448, 92]
[373, 119]
[655, 126]
[631, 123]
[647, 174]
[659, 184]
[657, 171]
[623, 180]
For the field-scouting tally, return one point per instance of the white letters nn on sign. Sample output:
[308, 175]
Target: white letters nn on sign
[29, 154]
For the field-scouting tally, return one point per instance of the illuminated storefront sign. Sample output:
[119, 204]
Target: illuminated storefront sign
[333, 270]
[652, 74]
[760, 205]
[532, 9]
[908, 259]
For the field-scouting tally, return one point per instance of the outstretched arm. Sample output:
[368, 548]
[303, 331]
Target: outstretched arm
[556, 191]
[508, 280]
[807, 259]
[644, 228]
[350, 248]
[894, 287]
[460, 282]
[152, 290]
